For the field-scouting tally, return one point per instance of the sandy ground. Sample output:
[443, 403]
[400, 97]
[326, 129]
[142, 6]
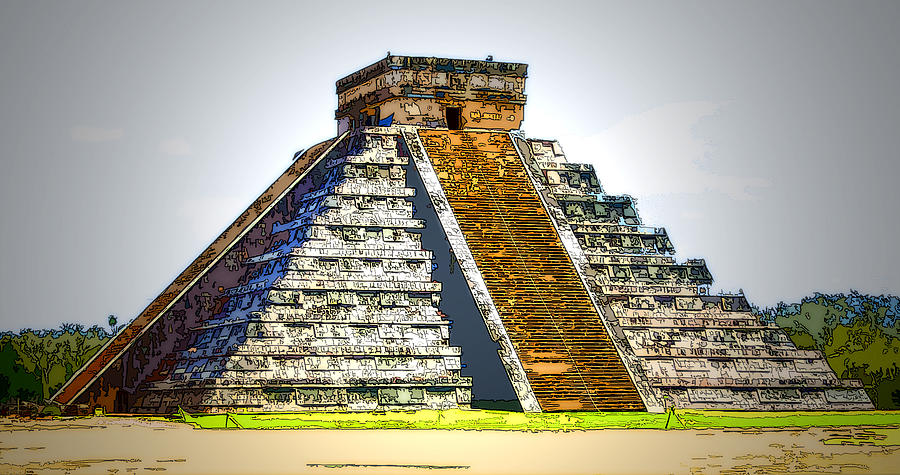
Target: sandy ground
[119, 445]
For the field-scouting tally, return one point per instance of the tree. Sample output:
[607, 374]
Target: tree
[857, 334]
[42, 352]
[78, 344]
[15, 381]
[33, 364]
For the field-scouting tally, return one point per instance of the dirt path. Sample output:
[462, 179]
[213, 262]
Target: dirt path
[117, 445]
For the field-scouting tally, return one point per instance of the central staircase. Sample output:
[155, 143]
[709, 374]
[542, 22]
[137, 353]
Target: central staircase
[569, 359]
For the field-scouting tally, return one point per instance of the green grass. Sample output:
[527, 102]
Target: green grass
[696, 419]
[458, 419]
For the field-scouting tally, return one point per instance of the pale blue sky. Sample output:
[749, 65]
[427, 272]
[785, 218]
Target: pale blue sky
[763, 135]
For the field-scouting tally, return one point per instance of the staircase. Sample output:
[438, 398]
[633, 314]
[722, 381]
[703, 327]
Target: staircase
[569, 359]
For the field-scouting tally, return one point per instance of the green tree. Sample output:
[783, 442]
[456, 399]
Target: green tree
[41, 353]
[15, 381]
[858, 335]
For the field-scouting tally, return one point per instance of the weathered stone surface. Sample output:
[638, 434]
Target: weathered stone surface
[684, 348]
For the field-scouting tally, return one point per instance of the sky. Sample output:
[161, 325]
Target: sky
[763, 136]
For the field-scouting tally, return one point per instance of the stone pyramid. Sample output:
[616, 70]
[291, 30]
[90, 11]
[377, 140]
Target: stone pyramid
[432, 256]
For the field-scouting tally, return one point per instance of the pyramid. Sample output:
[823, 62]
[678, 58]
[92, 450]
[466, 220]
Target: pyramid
[432, 256]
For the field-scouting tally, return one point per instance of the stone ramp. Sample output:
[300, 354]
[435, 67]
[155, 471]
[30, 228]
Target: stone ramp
[569, 359]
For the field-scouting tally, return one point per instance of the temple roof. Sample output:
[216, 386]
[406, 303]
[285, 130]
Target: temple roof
[421, 63]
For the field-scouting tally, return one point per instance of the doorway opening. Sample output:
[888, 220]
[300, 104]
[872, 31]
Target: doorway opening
[121, 401]
[454, 118]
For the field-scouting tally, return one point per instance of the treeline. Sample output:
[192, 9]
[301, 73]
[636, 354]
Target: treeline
[34, 364]
[857, 333]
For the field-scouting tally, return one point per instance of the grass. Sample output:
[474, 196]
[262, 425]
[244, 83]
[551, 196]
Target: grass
[458, 419]
[696, 419]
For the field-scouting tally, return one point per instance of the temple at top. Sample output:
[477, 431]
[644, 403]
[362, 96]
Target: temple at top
[431, 255]
[433, 92]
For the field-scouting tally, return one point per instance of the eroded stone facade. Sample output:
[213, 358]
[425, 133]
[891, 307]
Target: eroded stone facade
[340, 313]
[684, 347]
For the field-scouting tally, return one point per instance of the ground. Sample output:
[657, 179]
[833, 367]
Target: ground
[127, 445]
